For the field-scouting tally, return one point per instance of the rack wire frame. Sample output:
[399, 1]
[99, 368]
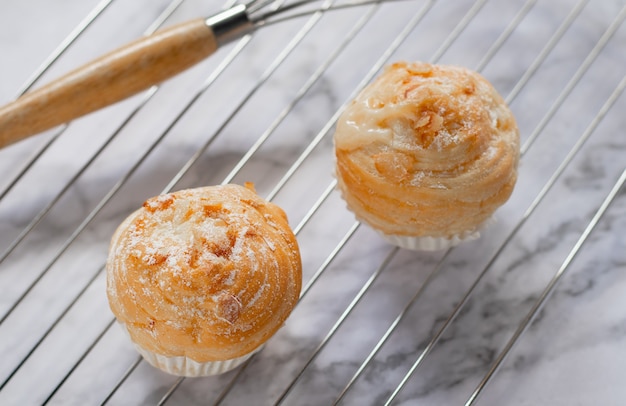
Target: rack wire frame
[19, 242]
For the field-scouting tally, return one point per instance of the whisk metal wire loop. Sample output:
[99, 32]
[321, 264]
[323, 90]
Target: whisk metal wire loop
[241, 19]
[138, 66]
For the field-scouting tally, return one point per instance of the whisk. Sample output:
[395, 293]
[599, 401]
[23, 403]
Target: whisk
[139, 65]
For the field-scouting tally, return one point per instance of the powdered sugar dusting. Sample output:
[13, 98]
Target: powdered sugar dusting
[445, 139]
[269, 244]
[428, 137]
[231, 278]
[195, 263]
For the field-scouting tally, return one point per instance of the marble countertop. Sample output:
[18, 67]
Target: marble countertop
[373, 319]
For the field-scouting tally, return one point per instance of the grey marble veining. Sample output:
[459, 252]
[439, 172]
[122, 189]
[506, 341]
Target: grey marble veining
[57, 335]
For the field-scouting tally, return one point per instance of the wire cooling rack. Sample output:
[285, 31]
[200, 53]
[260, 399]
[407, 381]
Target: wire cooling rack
[375, 324]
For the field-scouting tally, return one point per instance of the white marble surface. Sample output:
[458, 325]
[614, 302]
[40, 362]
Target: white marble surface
[574, 353]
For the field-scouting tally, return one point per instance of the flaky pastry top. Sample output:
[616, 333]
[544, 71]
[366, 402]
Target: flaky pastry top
[426, 150]
[208, 273]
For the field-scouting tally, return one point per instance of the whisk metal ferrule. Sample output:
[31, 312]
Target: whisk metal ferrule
[230, 24]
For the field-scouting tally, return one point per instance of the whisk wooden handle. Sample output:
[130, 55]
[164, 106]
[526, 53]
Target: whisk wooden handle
[108, 79]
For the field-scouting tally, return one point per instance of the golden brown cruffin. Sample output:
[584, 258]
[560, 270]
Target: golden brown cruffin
[203, 276]
[426, 153]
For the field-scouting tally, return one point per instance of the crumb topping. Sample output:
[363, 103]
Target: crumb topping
[205, 266]
[426, 150]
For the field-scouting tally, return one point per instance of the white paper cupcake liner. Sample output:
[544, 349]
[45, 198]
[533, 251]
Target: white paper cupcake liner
[185, 366]
[426, 243]
[429, 243]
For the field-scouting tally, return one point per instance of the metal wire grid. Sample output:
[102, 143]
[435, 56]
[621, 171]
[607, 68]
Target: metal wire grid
[226, 387]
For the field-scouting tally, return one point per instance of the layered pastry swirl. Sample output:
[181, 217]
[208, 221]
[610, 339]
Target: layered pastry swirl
[201, 278]
[426, 153]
